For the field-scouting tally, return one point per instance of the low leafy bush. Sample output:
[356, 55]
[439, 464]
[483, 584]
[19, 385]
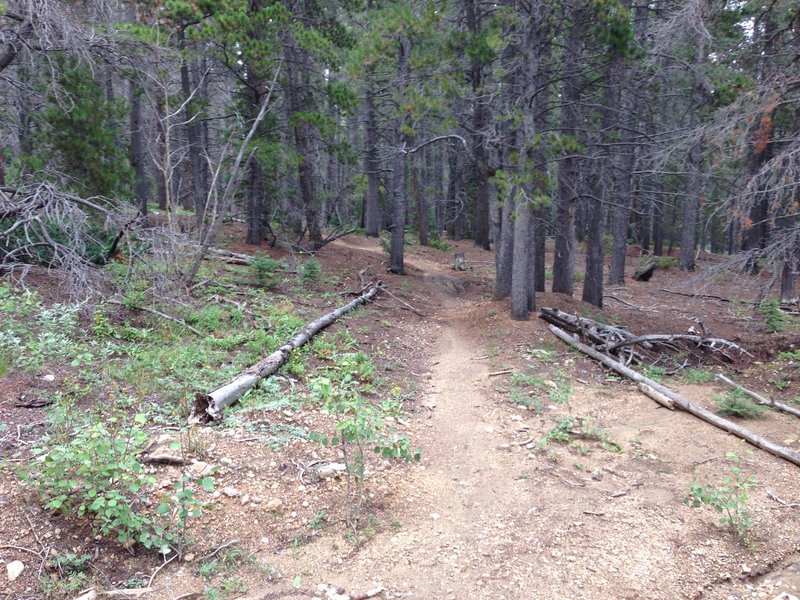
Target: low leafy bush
[96, 474]
[729, 497]
[267, 270]
[310, 270]
[774, 318]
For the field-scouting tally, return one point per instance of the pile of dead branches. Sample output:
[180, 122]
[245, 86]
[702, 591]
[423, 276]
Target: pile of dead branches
[672, 350]
[42, 225]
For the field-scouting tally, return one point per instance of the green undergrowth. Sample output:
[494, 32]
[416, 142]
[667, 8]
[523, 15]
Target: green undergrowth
[120, 371]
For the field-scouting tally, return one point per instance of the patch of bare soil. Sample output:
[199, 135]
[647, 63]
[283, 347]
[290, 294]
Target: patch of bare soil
[563, 482]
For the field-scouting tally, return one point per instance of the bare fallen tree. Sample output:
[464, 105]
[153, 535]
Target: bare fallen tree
[208, 407]
[651, 348]
[669, 398]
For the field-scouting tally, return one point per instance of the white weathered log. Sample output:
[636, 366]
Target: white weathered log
[209, 406]
[780, 406]
[700, 341]
[656, 395]
[753, 438]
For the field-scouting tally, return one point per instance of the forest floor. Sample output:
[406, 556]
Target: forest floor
[542, 476]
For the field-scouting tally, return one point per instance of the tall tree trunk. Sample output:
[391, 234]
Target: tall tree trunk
[297, 74]
[480, 121]
[194, 131]
[455, 217]
[568, 184]
[520, 270]
[401, 137]
[788, 279]
[255, 204]
[372, 217]
[593, 279]
[504, 249]
[137, 156]
[625, 157]
[686, 261]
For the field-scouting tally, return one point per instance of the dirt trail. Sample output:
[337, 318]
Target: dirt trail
[465, 505]
[462, 493]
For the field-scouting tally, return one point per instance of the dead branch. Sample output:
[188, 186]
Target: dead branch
[705, 296]
[29, 217]
[656, 395]
[157, 313]
[620, 342]
[779, 406]
[504, 372]
[714, 344]
[208, 407]
[404, 303]
[756, 440]
[780, 501]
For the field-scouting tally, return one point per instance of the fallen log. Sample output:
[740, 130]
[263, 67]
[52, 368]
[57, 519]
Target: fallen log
[208, 407]
[779, 406]
[683, 403]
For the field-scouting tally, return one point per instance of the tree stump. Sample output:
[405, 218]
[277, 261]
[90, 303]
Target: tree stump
[459, 264]
[645, 272]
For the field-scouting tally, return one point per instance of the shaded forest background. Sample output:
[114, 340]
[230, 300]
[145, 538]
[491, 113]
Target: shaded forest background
[131, 131]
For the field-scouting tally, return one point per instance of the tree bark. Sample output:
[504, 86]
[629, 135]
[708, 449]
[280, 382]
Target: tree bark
[194, 132]
[520, 270]
[686, 260]
[399, 197]
[568, 183]
[137, 154]
[372, 218]
[593, 279]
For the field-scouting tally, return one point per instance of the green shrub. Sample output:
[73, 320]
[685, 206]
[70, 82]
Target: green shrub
[97, 474]
[267, 270]
[736, 403]
[435, 241]
[310, 270]
[697, 376]
[774, 317]
[729, 497]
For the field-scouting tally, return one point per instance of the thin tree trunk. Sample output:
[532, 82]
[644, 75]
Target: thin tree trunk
[194, 133]
[399, 199]
[686, 261]
[593, 279]
[372, 220]
[568, 174]
[520, 270]
[140, 186]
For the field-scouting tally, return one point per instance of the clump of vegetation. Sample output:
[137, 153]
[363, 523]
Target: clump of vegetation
[267, 270]
[435, 241]
[735, 403]
[663, 262]
[774, 318]
[728, 497]
[696, 376]
[310, 271]
[96, 473]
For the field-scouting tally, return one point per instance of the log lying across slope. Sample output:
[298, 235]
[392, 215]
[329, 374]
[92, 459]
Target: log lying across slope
[209, 406]
[650, 348]
[679, 401]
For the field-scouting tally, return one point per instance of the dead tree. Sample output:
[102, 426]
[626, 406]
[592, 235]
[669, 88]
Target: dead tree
[208, 407]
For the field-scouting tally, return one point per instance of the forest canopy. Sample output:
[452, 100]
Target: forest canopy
[139, 128]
